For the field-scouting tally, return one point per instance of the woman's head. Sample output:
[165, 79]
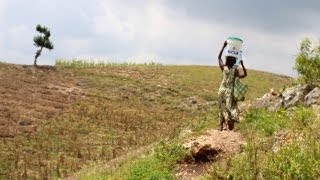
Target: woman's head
[230, 61]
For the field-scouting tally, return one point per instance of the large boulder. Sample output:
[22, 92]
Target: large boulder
[293, 95]
[313, 98]
[270, 102]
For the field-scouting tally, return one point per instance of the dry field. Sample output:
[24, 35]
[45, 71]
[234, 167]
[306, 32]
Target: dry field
[55, 120]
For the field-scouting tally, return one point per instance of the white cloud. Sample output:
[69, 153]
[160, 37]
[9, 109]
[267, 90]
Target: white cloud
[144, 30]
[154, 27]
[1, 41]
[173, 37]
[2, 8]
[74, 46]
[20, 33]
[2, 18]
[15, 43]
[109, 20]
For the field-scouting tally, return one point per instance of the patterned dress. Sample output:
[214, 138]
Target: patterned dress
[228, 106]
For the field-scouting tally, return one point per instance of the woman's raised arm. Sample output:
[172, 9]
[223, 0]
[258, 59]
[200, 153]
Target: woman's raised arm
[221, 64]
[244, 71]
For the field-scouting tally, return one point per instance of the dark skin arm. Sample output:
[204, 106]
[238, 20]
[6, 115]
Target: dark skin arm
[221, 64]
[244, 71]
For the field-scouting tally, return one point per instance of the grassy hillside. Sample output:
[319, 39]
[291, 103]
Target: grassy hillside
[78, 114]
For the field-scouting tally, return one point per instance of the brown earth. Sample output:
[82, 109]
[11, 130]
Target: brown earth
[30, 96]
[127, 107]
[206, 149]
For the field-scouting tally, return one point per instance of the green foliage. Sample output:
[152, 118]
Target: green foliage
[264, 122]
[149, 168]
[301, 118]
[42, 41]
[245, 165]
[308, 62]
[169, 153]
[159, 165]
[295, 155]
[298, 160]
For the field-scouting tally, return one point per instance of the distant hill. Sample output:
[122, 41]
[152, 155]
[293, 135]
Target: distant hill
[55, 120]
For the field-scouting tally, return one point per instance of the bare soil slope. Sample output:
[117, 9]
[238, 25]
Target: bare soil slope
[29, 95]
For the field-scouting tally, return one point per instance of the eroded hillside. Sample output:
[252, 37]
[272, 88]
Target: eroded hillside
[55, 120]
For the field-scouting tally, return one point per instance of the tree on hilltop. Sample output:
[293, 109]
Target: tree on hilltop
[42, 41]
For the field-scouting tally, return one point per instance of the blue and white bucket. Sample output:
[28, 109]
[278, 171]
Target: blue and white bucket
[233, 48]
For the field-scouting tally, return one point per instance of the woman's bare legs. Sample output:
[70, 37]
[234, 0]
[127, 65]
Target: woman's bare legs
[230, 124]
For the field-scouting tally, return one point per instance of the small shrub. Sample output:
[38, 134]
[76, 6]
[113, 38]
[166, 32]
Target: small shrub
[169, 153]
[308, 62]
[158, 165]
[302, 117]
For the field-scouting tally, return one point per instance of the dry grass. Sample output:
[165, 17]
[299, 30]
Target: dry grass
[126, 107]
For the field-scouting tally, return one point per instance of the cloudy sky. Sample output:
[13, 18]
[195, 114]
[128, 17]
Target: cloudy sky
[165, 31]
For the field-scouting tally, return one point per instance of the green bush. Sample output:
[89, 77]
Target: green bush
[308, 62]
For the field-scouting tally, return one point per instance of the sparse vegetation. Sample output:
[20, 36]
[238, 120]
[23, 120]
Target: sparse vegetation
[158, 165]
[76, 63]
[125, 107]
[42, 41]
[282, 145]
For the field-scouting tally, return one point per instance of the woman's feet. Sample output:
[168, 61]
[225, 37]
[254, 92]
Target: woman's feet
[229, 125]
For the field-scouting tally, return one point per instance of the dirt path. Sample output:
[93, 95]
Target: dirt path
[206, 149]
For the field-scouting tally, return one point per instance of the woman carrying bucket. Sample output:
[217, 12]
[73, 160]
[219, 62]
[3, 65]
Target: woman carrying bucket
[229, 112]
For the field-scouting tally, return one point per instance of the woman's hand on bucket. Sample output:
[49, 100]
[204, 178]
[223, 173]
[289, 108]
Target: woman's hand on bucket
[225, 44]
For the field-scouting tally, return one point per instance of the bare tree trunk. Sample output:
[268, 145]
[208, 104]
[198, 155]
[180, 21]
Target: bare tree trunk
[35, 61]
[38, 53]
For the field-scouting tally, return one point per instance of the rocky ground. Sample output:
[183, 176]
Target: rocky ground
[299, 95]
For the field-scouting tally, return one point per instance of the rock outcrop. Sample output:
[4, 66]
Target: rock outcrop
[313, 98]
[300, 94]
